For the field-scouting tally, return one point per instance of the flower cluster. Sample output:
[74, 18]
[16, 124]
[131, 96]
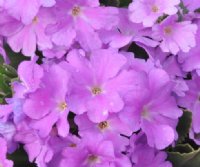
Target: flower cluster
[90, 102]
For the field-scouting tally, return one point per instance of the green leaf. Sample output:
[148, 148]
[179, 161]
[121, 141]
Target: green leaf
[1, 59]
[184, 8]
[183, 148]
[15, 58]
[125, 3]
[5, 89]
[184, 125]
[111, 2]
[7, 75]
[20, 158]
[120, 3]
[184, 156]
[8, 70]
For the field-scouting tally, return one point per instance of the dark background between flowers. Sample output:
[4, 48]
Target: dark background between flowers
[185, 153]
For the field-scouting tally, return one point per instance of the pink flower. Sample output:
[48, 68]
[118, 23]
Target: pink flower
[9, 25]
[148, 11]
[93, 151]
[144, 156]
[49, 100]
[122, 35]
[191, 102]
[38, 149]
[30, 74]
[157, 121]
[112, 125]
[3, 151]
[24, 10]
[32, 35]
[175, 36]
[110, 129]
[98, 83]
[191, 4]
[191, 60]
[7, 131]
[78, 21]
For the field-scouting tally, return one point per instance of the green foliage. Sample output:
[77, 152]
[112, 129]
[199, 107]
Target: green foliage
[4, 85]
[184, 156]
[184, 125]
[124, 3]
[15, 58]
[118, 3]
[8, 70]
[111, 2]
[7, 74]
[20, 158]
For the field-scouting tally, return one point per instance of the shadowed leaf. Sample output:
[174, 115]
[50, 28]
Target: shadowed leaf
[184, 125]
[184, 156]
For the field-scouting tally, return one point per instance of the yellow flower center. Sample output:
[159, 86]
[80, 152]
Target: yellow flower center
[72, 145]
[35, 20]
[96, 90]
[155, 9]
[62, 106]
[76, 11]
[93, 159]
[103, 125]
[145, 113]
[168, 30]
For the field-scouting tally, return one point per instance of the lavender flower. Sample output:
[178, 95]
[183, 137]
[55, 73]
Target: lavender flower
[175, 36]
[148, 11]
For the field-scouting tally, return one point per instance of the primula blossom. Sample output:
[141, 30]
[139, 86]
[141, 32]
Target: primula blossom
[152, 158]
[93, 152]
[38, 149]
[175, 36]
[110, 129]
[32, 35]
[123, 35]
[113, 125]
[3, 161]
[29, 10]
[99, 83]
[49, 100]
[190, 61]
[78, 21]
[157, 121]
[191, 5]
[191, 102]
[92, 85]
[148, 11]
